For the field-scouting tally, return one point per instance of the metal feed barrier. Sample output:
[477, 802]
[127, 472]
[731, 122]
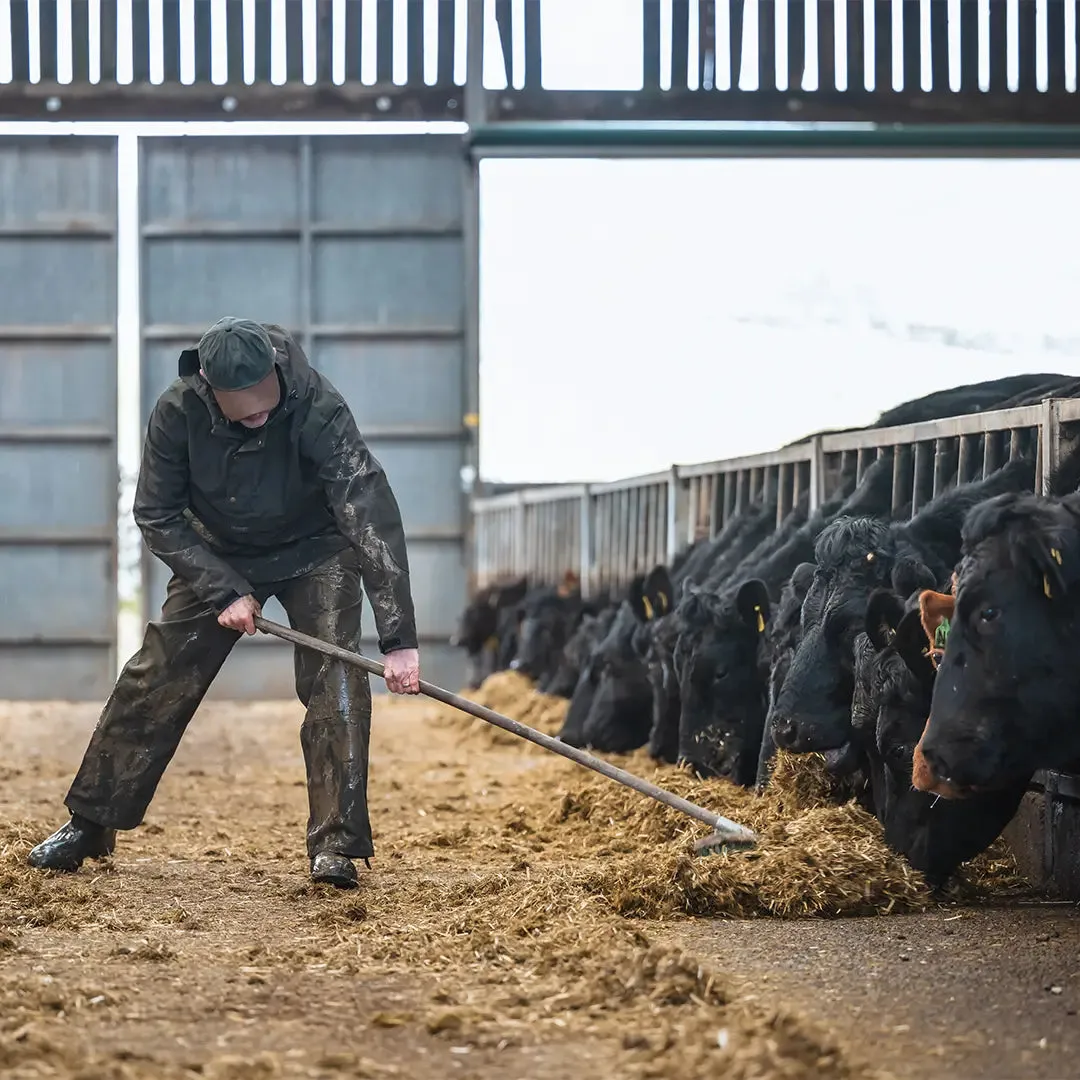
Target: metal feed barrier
[608, 533]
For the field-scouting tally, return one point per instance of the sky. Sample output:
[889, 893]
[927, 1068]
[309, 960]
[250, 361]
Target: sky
[636, 314]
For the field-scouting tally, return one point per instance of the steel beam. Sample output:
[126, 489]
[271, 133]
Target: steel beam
[669, 140]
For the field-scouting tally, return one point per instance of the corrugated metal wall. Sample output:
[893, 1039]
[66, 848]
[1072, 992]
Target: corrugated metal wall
[58, 473]
[355, 244]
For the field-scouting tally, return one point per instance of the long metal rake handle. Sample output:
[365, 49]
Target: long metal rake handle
[723, 825]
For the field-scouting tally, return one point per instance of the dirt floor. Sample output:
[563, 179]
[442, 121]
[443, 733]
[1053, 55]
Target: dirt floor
[501, 933]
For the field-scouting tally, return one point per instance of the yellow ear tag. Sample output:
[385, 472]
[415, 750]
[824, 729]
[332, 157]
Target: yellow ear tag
[647, 606]
[1056, 555]
[760, 620]
[1046, 587]
[492, 642]
[662, 597]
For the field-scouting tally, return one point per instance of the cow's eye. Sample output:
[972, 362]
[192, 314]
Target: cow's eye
[989, 614]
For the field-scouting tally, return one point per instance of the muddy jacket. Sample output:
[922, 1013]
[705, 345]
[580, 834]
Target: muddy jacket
[227, 508]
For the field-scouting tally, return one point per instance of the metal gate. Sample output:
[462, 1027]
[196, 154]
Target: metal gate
[58, 472]
[355, 243]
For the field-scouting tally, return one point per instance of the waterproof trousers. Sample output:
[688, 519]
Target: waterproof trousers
[162, 685]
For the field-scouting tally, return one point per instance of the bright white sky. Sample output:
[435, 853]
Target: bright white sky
[639, 313]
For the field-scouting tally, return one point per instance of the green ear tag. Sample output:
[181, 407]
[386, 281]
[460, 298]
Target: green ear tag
[941, 634]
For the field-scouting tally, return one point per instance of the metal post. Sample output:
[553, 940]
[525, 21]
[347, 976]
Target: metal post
[307, 257]
[521, 567]
[585, 540]
[1049, 446]
[671, 540]
[817, 473]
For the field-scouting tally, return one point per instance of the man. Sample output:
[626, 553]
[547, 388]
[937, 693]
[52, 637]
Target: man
[254, 483]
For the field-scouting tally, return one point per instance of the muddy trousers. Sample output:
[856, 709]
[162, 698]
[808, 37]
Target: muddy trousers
[162, 685]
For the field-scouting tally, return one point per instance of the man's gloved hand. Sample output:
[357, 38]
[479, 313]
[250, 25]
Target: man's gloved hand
[402, 669]
[240, 614]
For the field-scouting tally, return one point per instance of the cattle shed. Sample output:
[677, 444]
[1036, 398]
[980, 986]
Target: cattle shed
[386, 281]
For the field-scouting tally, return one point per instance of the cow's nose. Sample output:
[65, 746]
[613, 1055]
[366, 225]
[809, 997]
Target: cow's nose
[783, 731]
[938, 767]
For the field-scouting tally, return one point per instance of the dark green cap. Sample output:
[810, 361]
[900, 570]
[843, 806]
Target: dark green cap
[235, 354]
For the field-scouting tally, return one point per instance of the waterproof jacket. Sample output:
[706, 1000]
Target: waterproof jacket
[228, 508]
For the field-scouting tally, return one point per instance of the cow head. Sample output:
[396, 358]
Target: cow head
[575, 655]
[894, 680]
[478, 631]
[618, 714]
[1008, 686]
[784, 636]
[548, 619]
[654, 643]
[854, 557]
[722, 681]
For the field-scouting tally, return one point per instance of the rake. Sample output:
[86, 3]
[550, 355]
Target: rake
[727, 835]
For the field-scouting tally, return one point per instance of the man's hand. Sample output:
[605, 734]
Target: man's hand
[240, 614]
[402, 671]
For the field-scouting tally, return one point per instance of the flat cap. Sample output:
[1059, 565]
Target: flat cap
[236, 354]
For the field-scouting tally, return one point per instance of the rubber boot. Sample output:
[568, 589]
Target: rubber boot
[66, 849]
[336, 870]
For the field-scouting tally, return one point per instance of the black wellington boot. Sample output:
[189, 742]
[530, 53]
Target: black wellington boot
[66, 849]
[334, 870]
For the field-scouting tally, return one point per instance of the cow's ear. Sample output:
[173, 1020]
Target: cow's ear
[660, 591]
[752, 602]
[884, 610]
[911, 645]
[638, 601]
[935, 614]
[911, 575]
[801, 579]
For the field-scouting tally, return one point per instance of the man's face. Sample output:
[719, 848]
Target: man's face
[250, 408]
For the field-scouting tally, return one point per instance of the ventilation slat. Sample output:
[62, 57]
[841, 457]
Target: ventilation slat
[680, 45]
[263, 42]
[203, 47]
[80, 43]
[140, 40]
[47, 37]
[384, 43]
[234, 40]
[999, 54]
[294, 41]
[170, 30]
[354, 37]
[533, 53]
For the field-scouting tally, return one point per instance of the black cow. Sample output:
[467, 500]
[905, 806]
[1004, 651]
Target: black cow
[784, 633]
[855, 556]
[630, 671]
[478, 631]
[611, 706]
[575, 655]
[722, 657]
[1007, 693]
[894, 680]
[549, 617]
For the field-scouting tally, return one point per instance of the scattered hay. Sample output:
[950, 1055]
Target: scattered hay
[513, 695]
[815, 856]
[514, 903]
[30, 898]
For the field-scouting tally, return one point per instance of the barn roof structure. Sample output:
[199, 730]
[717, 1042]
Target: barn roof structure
[878, 61]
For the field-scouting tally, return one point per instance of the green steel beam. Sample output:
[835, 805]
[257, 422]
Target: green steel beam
[613, 139]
